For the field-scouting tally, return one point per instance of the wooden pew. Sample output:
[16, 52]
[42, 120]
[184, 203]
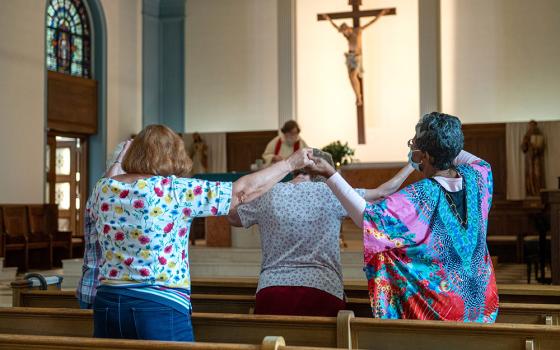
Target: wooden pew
[419, 335]
[221, 328]
[244, 304]
[346, 331]
[529, 293]
[510, 293]
[234, 304]
[25, 342]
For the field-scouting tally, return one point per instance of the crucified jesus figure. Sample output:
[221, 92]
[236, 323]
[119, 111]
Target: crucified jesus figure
[354, 54]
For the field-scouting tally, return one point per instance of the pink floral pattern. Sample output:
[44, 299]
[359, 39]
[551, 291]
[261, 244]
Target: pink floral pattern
[145, 226]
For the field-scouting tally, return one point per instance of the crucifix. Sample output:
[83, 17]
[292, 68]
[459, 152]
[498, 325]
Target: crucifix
[354, 55]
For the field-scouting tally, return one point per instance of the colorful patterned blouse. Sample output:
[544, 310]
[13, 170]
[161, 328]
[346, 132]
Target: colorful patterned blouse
[144, 226]
[421, 263]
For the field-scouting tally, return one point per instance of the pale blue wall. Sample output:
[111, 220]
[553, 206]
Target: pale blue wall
[163, 63]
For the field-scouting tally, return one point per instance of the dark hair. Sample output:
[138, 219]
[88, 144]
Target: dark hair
[289, 126]
[441, 136]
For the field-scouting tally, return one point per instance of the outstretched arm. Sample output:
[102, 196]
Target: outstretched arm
[348, 197]
[382, 13]
[253, 185]
[330, 20]
[391, 186]
[352, 202]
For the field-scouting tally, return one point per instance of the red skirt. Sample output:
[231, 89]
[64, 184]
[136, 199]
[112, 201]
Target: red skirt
[297, 301]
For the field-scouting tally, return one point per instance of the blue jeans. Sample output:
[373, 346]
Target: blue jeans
[124, 317]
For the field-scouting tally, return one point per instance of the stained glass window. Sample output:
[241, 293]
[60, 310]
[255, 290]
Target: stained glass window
[68, 38]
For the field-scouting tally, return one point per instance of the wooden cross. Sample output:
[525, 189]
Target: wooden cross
[356, 14]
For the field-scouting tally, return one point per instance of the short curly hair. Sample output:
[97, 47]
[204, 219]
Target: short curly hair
[441, 136]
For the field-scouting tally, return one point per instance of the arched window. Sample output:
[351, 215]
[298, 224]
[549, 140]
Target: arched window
[68, 38]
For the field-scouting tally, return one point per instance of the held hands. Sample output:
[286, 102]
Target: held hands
[300, 159]
[320, 167]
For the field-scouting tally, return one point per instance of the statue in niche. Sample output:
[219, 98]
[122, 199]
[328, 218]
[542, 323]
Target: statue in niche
[533, 146]
[198, 151]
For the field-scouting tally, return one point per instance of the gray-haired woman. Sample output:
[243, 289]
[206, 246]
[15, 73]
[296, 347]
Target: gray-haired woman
[425, 247]
[300, 223]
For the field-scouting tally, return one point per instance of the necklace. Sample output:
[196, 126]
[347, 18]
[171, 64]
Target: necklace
[447, 172]
[451, 202]
[454, 209]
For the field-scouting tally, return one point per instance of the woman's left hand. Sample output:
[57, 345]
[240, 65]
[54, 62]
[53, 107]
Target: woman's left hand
[320, 167]
[124, 150]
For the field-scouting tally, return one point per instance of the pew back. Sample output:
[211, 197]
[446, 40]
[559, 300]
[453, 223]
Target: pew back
[243, 304]
[15, 220]
[344, 331]
[428, 335]
[25, 342]
[510, 293]
[37, 220]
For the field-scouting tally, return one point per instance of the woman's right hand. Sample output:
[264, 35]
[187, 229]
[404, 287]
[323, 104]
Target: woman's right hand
[320, 167]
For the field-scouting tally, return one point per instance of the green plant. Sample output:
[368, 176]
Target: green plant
[341, 153]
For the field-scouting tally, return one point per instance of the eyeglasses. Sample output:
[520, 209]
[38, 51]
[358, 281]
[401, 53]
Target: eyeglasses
[410, 143]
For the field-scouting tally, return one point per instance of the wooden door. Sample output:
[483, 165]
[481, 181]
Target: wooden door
[67, 180]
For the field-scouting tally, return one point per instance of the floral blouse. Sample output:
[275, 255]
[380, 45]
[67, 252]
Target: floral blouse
[144, 226]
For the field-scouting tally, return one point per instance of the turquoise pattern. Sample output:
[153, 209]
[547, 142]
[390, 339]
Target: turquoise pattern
[421, 263]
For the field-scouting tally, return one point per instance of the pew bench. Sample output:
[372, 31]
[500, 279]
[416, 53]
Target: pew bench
[221, 328]
[345, 331]
[514, 293]
[508, 293]
[26, 230]
[37, 342]
[244, 304]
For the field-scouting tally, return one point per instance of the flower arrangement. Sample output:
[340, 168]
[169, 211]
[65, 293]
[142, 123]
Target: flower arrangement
[341, 153]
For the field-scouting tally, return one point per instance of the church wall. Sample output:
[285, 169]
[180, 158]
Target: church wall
[22, 100]
[22, 97]
[325, 100]
[124, 69]
[500, 59]
[231, 65]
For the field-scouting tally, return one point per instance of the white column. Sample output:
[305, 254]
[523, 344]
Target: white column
[430, 55]
[286, 61]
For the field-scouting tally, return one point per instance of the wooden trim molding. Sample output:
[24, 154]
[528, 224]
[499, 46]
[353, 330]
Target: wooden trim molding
[71, 104]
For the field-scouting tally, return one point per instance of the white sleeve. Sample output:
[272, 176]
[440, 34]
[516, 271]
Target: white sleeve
[348, 197]
[465, 157]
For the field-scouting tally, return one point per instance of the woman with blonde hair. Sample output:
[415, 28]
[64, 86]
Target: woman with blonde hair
[143, 218]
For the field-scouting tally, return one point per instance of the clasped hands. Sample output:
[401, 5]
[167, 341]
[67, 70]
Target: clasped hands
[304, 159]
